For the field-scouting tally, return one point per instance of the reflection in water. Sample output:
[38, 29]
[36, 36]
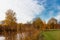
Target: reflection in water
[21, 36]
[12, 36]
[2, 38]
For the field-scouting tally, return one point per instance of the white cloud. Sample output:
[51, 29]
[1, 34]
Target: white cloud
[25, 9]
[58, 16]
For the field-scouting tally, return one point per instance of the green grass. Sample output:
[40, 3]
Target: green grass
[51, 35]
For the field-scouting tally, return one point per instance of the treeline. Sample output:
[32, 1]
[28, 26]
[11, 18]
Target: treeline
[31, 30]
[37, 24]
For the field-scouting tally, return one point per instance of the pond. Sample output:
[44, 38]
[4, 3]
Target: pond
[18, 36]
[2, 38]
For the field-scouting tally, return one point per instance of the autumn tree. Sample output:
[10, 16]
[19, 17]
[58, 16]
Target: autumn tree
[51, 23]
[10, 19]
[38, 23]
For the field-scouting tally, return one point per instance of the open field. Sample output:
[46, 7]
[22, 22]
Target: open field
[51, 35]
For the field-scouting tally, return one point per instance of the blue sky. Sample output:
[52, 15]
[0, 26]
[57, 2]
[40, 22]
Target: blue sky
[52, 9]
[27, 10]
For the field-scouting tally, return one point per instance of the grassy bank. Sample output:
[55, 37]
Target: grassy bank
[51, 35]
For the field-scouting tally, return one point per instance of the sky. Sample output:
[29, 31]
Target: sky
[27, 10]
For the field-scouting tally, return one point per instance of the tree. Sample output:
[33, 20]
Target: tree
[51, 23]
[10, 19]
[38, 23]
